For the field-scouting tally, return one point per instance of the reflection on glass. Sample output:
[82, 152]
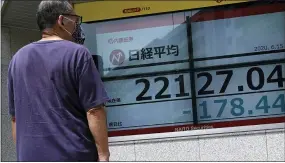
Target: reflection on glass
[144, 63]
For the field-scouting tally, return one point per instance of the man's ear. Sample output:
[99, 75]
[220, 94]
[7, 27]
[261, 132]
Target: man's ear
[60, 21]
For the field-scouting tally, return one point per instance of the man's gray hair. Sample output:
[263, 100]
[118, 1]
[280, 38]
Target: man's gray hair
[49, 11]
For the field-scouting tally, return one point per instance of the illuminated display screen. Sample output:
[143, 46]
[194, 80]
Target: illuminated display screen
[201, 69]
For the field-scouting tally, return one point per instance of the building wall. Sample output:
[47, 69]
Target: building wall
[250, 146]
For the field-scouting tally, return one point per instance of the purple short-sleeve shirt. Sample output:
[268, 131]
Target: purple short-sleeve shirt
[51, 86]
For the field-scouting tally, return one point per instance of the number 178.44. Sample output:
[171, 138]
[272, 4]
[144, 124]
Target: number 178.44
[237, 108]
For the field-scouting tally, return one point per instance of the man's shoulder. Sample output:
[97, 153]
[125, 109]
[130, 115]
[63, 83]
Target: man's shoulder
[72, 45]
[68, 50]
[78, 53]
[59, 44]
[77, 48]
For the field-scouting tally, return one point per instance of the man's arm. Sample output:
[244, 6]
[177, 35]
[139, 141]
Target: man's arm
[11, 100]
[14, 129]
[98, 126]
[93, 96]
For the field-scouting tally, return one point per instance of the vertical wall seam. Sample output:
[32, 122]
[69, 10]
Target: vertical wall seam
[199, 150]
[10, 43]
[284, 142]
[266, 143]
[135, 151]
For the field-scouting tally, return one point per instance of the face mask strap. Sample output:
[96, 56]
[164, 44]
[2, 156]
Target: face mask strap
[71, 21]
[67, 31]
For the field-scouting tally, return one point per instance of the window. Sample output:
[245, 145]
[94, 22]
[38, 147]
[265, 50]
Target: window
[211, 68]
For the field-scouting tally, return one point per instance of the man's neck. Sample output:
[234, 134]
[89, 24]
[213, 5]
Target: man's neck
[50, 34]
[46, 37]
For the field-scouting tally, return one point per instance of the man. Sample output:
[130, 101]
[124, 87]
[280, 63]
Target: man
[56, 96]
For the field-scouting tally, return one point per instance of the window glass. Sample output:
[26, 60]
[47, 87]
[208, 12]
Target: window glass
[239, 56]
[210, 68]
[140, 45]
[145, 71]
